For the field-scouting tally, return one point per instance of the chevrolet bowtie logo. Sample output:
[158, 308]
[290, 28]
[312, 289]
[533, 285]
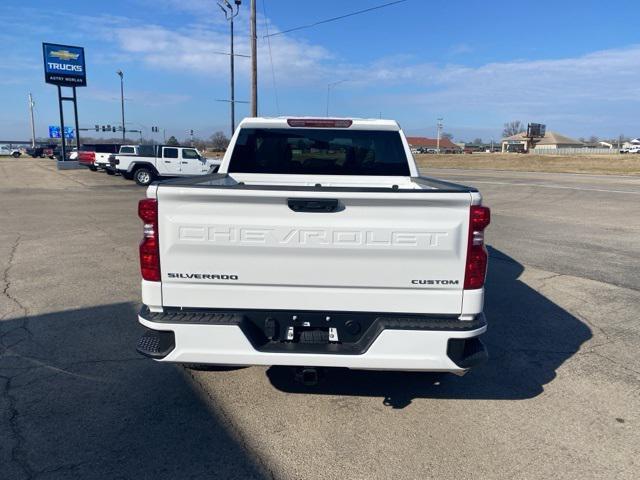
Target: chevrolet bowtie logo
[64, 55]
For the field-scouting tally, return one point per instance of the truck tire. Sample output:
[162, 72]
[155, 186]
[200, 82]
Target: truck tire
[15, 154]
[143, 176]
[93, 168]
[109, 171]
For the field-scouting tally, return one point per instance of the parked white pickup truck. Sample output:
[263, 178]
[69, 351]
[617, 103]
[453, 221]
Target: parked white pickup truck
[7, 150]
[145, 163]
[318, 244]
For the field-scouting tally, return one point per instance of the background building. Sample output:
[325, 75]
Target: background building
[446, 145]
[551, 140]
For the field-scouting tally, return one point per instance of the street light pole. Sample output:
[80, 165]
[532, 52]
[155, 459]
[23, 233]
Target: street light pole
[329, 87]
[33, 125]
[121, 75]
[439, 127]
[230, 13]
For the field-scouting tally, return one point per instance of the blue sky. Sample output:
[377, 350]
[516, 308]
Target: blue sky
[574, 65]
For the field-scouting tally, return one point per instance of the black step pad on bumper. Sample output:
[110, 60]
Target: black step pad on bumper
[156, 343]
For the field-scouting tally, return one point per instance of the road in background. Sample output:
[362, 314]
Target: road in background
[582, 225]
[559, 397]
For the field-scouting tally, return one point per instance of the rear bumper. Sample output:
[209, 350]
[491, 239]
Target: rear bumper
[397, 343]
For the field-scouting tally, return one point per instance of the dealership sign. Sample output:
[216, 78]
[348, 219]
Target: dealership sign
[64, 65]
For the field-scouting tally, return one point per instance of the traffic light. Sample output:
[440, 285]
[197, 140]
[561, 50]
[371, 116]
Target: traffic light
[97, 128]
[113, 129]
[191, 132]
[104, 129]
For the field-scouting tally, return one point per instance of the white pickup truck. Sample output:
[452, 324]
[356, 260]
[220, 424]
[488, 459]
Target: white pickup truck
[145, 163]
[7, 150]
[318, 244]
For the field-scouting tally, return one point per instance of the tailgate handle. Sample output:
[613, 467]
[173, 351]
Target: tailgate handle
[313, 204]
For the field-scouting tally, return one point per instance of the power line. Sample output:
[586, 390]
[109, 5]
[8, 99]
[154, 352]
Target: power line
[228, 54]
[273, 72]
[334, 18]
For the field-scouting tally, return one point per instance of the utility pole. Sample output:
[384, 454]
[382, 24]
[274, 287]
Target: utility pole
[33, 125]
[439, 128]
[230, 13]
[254, 61]
[233, 83]
[121, 75]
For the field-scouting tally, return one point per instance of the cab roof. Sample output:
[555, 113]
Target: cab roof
[320, 122]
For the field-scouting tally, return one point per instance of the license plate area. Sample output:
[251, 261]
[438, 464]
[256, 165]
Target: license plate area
[307, 331]
[310, 328]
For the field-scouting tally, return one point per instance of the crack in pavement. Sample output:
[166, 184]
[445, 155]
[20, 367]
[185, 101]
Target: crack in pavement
[624, 366]
[18, 452]
[5, 275]
[23, 322]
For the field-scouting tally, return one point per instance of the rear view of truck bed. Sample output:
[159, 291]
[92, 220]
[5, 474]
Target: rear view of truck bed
[364, 271]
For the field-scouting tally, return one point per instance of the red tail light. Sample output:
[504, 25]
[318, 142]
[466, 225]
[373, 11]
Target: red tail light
[476, 266]
[149, 247]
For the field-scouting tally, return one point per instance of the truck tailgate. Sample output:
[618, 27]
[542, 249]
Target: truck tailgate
[250, 249]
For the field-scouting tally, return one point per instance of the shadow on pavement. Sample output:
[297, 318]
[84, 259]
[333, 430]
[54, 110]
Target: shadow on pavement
[528, 339]
[77, 401]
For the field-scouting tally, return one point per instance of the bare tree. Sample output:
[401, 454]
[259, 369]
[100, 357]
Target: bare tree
[477, 141]
[172, 141]
[593, 139]
[199, 143]
[219, 141]
[512, 128]
[448, 136]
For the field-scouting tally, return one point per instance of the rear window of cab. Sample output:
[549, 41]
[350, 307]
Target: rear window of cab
[321, 151]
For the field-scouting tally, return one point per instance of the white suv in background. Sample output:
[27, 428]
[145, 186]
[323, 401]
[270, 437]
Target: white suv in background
[145, 163]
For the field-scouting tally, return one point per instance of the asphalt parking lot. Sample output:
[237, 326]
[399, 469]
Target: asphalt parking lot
[560, 396]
